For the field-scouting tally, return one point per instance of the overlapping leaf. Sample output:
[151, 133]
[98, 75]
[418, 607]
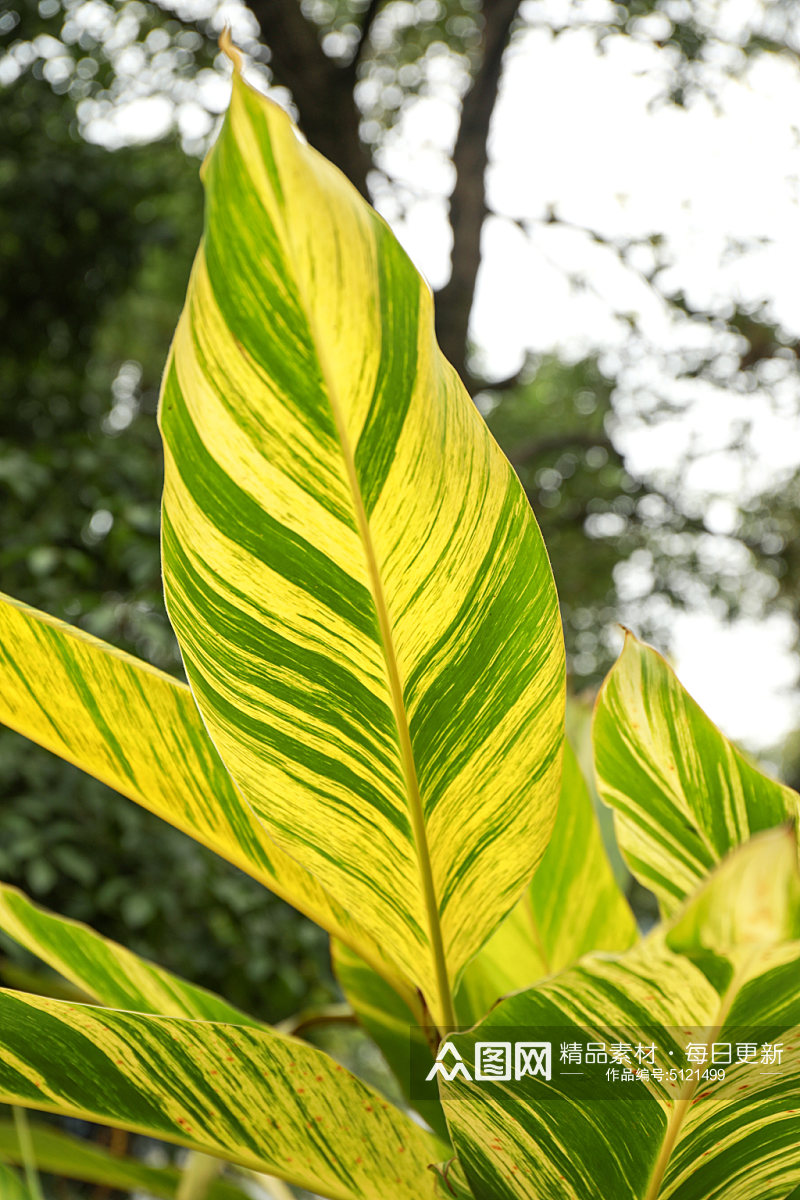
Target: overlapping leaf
[138, 730]
[57, 1153]
[393, 1026]
[105, 970]
[363, 601]
[683, 795]
[729, 963]
[247, 1095]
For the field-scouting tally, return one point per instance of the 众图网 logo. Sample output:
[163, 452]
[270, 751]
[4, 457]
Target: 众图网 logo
[495, 1061]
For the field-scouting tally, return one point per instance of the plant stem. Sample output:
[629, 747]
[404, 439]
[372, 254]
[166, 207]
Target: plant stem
[199, 1173]
[330, 1014]
[26, 1151]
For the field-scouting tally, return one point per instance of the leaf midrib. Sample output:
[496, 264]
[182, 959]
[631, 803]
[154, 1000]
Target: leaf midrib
[683, 1103]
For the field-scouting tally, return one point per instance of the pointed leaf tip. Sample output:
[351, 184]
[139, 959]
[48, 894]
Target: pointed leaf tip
[231, 51]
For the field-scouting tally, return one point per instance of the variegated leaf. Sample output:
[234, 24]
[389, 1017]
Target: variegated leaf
[573, 906]
[244, 1094]
[393, 1027]
[682, 794]
[363, 601]
[105, 970]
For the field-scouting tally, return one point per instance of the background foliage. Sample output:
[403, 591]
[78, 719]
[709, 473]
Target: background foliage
[91, 286]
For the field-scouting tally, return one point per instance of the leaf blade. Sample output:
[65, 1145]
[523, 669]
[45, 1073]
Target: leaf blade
[12, 1184]
[572, 906]
[58, 1153]
[575, 900]
[683, 795]
[305, 402]
[246, 1095]
[103, 969]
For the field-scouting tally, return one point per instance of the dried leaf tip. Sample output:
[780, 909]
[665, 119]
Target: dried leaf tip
[230, 51]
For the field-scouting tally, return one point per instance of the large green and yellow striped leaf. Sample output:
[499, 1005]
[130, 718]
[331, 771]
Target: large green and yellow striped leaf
[363, 601]
[105, 970]
[682, 794]
[247, 1095]
[725, 973]
[138, 730]
[57, 1153]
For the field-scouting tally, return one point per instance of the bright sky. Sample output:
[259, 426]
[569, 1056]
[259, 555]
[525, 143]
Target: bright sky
[578, 131]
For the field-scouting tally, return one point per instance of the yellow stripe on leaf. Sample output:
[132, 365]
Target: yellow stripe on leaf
[572, 907]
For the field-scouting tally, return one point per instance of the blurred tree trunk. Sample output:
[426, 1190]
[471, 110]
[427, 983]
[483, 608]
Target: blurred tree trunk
[468, 199]
[323, 91]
